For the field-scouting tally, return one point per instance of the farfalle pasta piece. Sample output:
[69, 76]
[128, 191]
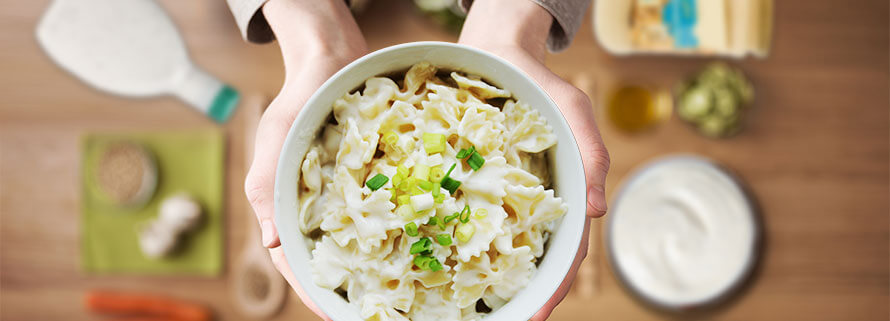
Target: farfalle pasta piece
[515, 270]
[331, 263]
[379, 91]
[527, 131]
[531, 206]
[479, 88]
[532, 238]
[356, 149]
[417, 76]
[311, 183]
[482, 128]
[486, 228]
[436, 303]
[489, 182]
[376, 307]
[471, 279]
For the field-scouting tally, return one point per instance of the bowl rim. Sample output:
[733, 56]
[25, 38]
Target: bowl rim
[525, 311]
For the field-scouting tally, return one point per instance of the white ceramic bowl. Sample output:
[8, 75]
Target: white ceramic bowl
[565, 160]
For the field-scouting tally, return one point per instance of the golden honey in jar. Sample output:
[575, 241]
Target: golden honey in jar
[636, 108]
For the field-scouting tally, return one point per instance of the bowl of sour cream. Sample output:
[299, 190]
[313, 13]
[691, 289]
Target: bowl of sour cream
[682, 233]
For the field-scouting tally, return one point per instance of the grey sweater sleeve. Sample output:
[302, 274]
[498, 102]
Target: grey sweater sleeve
[251, 21]
[567, 14]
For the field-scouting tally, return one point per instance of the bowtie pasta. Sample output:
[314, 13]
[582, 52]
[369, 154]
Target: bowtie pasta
[426, 197]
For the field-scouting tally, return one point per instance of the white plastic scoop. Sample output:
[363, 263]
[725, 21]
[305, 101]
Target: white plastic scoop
[130, 48]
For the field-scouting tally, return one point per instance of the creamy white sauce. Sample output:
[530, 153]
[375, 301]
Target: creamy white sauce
[682, 232]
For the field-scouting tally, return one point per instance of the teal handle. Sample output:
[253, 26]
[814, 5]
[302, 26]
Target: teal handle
[224, 104]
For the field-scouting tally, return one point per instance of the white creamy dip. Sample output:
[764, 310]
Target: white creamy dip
[681, 232]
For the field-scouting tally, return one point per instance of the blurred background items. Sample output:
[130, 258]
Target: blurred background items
[685, 27]
[84, 174]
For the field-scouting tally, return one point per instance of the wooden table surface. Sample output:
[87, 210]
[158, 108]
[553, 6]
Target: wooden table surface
[815, 156]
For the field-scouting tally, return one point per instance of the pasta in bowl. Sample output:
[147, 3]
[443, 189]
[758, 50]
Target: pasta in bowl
[426, 194]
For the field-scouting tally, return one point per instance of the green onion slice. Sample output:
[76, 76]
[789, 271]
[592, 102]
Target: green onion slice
[411, 230]
[475, 161]
[377, 182]
[448, 183]
[422, 245]
[421, 172]
[433, 143]
[436, 174]
[465, 232]
[443, 239]
[426, 186]
[463, 153]
[434, 265]
[465, 214]
[423, 262]
[451, 217]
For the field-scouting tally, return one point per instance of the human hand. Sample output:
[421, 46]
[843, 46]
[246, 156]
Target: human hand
[517, 31]
[317, 38]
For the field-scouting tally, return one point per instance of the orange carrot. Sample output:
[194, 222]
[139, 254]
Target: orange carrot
[146, 305]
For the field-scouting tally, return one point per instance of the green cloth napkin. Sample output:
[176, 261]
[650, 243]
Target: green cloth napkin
[189, 162]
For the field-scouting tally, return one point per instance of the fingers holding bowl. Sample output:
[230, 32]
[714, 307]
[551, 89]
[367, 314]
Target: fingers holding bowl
[578, 111]
[280, 262]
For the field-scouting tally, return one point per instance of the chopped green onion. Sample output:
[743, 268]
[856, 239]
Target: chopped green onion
[422, 202]
[416, 191]
[411, 229]
[427, 262]
[433, 221]
[402, 170]
[425, 185]
[390, 138]
[465, 214]
[465, 232]
[377, 182]
[436, 174]
[433, 143]
[421, 172]
[480, 213]
[424, 244]
[443, 239]
[434, 265]
[439, 199]
[423, 262]
[436, 189]
[464, 153]
[451, 217]
[404, 199]
[441, 223]
[405, 212]
[448, 183]
[397, 179]
[409, 184]
[475, 161]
